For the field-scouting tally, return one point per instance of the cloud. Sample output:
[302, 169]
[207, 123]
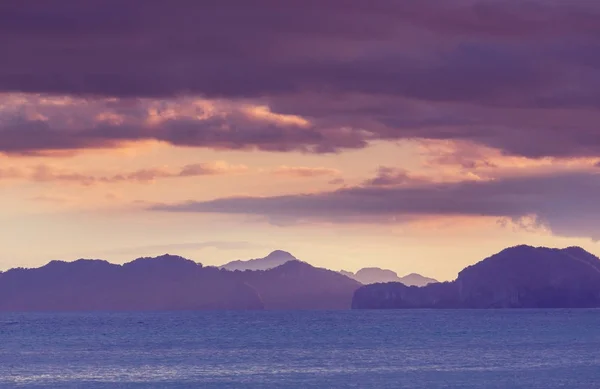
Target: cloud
[337, 181]
[466, 156]
[150, 48]
[10, 173]
[566, 202]
[33, 125]
[302, 171]
[522, 78]
[51, 199]
[46, 173]
[389, 176]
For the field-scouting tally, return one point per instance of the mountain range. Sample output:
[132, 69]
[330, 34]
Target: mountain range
[517, 277]
[171, 282]
[367, 275]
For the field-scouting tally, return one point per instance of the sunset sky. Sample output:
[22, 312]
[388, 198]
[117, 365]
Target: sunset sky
[419, 136]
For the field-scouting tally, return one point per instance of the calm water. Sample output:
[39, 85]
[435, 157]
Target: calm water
[354, 349]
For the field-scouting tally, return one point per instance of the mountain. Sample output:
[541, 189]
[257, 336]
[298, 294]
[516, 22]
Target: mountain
[298, 285]
[170, 282]
[517, 277]
[414, 279]
[163, 283]
[276, 258]
[373, 275]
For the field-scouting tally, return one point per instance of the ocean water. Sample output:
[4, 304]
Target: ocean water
[347, 349]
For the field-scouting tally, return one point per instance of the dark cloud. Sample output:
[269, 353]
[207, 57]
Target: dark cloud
[38, 137]
[35, 125]
[567, 203]
[519, 76]
[443, 50]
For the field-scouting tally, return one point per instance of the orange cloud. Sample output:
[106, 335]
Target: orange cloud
[302, 171]
[10, 173]
[47, 173]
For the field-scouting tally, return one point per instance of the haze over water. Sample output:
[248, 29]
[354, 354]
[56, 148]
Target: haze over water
[345, 349]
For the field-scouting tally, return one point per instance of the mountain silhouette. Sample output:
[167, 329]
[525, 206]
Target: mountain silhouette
[517, 277]
[170, 282]
[163, 283]
[298, 285]
[274, 259]
[414, 279]
[373, 275]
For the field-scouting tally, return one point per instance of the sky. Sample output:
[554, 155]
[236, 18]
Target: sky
[419, 136]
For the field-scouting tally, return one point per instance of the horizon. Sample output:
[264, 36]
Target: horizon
[331, 134]
[373, 266]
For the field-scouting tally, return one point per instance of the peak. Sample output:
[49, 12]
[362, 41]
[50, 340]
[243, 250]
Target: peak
[414, 275]
[294, 264]
[165, 259]
[371, 270]
[78, 262]
[56, 262]
[573, 250]
[576, 249]
[274, 259]
[521, 247]
[280, 253]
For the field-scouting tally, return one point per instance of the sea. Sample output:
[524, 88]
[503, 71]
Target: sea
[303, 349]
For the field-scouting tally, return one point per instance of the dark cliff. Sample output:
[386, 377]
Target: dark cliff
[518, 277]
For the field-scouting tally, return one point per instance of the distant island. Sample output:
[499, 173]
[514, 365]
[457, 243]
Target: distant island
[517, 277]
[374, 275]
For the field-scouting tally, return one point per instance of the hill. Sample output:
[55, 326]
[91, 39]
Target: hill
[274, 259]
[170, 283]
[517, 277]
[161, 283]
[298, 285]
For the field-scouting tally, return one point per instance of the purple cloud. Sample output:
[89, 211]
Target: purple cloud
[471, 50]
[567, 203]
[522, 77]
[35, 125]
